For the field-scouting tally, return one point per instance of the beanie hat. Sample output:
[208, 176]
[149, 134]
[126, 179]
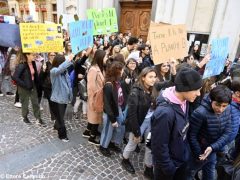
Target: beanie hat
[187, 79]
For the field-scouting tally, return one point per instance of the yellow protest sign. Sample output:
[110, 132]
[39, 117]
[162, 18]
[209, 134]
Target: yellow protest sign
[38, 37]
[168, 41]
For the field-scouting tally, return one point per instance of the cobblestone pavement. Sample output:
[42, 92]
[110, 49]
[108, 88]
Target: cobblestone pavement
[34, 152]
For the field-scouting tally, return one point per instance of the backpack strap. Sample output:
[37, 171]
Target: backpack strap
[167, 102]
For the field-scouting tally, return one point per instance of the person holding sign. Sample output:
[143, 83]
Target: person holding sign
[61, 92]
[27, 80]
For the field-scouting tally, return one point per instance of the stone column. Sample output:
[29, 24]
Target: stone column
[49, 10]
[82, 6]
[170, 11]
[226, 24]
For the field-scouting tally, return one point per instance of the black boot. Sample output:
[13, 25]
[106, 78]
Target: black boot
[114, 148]
[92, 140]
[86, 133]
[26, 120]
[105, 151]
[148, 172]
[41, 123]
[137, 150]
[128, 166]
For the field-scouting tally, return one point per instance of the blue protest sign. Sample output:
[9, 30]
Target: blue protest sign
[9, 35]
[219, 52]
[81, 35]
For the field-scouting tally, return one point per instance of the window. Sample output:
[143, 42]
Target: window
[22, 13]
[54, 7]
[55, 18]
[44, 16]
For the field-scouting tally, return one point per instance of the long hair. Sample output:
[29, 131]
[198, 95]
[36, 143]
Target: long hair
[206, 88]
[128, 72]
[98, 59]
[113, 72]
[21, 57]
[144, 73]
[160, 76]
[58, 59]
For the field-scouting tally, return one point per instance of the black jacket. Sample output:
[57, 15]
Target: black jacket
[146, 62]
[127, 87]
[45, 77]
[79, 69]
[138, 103]
[22, 76]
[110, 101]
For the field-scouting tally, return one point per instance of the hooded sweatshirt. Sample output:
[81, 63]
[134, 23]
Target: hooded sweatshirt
[169, 126]
[169, 94]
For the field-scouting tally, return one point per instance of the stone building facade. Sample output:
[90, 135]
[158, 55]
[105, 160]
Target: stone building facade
[46, 10]
[204, 19]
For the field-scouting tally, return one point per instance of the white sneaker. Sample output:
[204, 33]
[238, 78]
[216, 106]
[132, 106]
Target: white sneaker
[1, 94]
[18, 105]
[41, 108]
[65, 140]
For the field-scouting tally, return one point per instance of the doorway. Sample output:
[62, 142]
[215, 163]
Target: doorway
[135, 18]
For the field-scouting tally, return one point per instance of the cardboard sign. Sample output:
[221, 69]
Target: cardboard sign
[37, 37]
[219, 52]
[81, 35]
[9, 35]
[168, 41]
[153, 24]
[105, 21]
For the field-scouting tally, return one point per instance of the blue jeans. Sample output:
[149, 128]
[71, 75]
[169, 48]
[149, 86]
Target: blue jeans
[145, 127]
[207, 166]
[109, 133]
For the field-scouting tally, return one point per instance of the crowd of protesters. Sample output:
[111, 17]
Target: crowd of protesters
[188, 123]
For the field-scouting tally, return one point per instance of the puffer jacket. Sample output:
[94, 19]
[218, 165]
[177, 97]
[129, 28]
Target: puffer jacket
[235, 120]
[208, 129]
[138, 104]
[61, 85]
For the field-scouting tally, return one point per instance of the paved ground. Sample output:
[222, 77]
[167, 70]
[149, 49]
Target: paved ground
[33, 152]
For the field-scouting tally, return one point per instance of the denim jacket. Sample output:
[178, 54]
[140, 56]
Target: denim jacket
[61, 85]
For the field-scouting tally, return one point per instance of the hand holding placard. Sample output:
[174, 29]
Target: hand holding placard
[168, 41]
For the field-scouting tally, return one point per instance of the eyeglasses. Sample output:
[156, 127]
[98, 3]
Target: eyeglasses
[132, 63]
